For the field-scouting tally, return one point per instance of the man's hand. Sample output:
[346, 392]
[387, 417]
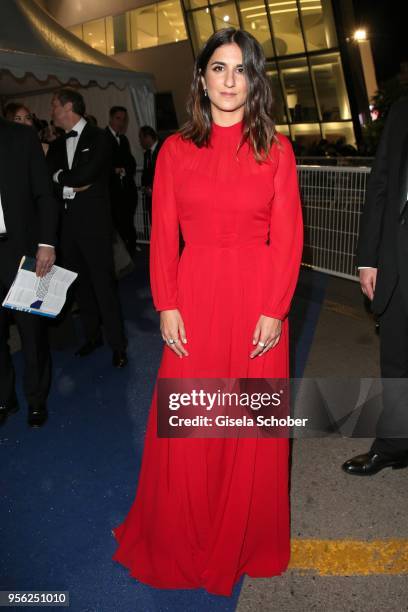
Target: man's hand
[266, 335]
[45, 260]
[173, 332]
[84, 188]
[368, 279]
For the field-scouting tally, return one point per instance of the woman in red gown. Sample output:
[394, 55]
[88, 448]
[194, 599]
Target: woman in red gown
[209, 510]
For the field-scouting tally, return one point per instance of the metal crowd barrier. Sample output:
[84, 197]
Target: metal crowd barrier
[332, 201]
[353, 162]
[141, 218]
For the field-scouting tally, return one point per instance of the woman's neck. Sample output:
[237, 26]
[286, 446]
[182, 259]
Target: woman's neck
[226, 119]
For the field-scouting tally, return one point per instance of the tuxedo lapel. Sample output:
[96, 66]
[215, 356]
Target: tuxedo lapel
[64, 155]
[112, 138]
[81, 144]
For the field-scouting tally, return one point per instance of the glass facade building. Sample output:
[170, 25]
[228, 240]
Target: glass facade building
[147, 26]
[299, 39]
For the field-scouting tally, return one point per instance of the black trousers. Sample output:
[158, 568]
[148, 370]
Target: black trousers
[148, 208]
[394, 364]
[90, 255]
[33, 332]
[123, 213]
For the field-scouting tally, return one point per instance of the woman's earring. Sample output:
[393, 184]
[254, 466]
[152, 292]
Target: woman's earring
[205, 93]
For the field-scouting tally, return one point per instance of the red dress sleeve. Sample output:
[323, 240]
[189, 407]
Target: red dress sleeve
[164, 239]
[285, 235]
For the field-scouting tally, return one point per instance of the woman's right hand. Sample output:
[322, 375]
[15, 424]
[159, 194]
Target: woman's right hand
[84, 188]
[172, 328]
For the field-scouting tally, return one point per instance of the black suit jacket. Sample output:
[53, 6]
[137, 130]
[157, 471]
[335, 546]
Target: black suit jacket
[122, 158]
[148, 173]
[382, 238]
[29, 208]
[90, 209]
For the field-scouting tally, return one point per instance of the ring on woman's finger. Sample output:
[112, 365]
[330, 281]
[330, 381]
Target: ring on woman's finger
[171, 341]
[262, 344]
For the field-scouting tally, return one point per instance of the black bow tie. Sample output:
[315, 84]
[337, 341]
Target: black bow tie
[71, 134]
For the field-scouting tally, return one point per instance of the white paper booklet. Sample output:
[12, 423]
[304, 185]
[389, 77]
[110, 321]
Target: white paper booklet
[43, 296]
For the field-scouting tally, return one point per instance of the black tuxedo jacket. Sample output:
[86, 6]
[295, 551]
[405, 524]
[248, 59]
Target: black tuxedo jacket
[90, 209]
[29, 208]
[148, 173]
[383, 239]
[122, 158]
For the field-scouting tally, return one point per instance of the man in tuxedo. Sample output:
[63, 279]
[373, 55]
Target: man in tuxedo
[151, 145]
[28, 226]
[123, 192]
[80, 167]
[382, 258]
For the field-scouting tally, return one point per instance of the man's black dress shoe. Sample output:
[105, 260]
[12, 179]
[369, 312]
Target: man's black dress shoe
[119, 359]
[37, 415]
[370, 463]
[89, 347]
[6, 410]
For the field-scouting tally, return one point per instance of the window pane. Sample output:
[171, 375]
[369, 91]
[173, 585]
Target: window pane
[110, 40]
[117, 34]
[255, 21]
[286, 27]
[225, 16]
[305, 136]
[143, 27]
[318, 24]
[279, 107]
[171, 22]
[283, 129]
[76, 29]
[331, 89]
[191, 4]
[201, 28]
[94, 34]
[298, 91]
[344, 132]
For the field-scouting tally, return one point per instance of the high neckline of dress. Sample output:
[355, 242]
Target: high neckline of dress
[227, 129]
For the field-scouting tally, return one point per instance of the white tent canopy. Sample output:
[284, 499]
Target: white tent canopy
[37, 55]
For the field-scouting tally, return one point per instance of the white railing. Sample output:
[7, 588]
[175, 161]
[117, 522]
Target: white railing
[332, 201]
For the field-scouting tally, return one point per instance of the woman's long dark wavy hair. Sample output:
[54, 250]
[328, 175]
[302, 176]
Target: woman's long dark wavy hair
[259, 127]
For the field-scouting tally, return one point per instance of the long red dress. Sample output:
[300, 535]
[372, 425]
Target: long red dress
[209, 510]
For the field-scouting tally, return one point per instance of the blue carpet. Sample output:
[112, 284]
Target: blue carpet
[65, 486]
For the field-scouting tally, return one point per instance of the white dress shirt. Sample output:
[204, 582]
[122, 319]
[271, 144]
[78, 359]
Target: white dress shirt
[68, 193]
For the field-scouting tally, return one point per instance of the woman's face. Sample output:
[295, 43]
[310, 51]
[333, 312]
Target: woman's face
[225, 79]
[23, 116]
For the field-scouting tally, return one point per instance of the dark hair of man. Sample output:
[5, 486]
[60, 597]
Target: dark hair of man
[91, 119]
[147, 130]
[11, 109]
[117, 109]
[66, 94]
[259, 127]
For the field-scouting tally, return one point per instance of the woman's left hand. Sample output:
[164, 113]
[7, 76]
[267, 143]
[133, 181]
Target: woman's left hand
[266, 335]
